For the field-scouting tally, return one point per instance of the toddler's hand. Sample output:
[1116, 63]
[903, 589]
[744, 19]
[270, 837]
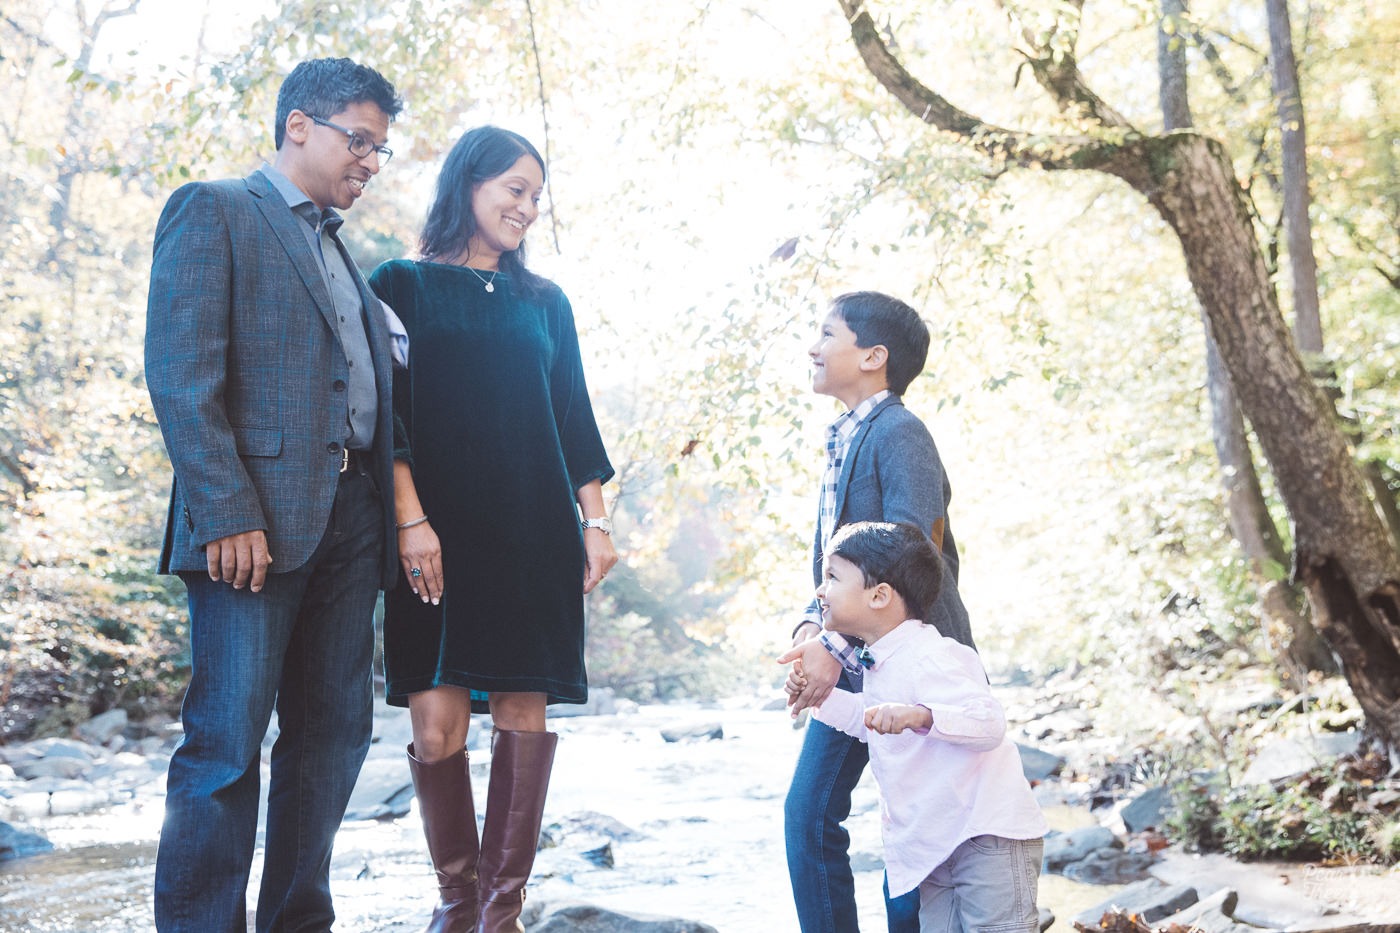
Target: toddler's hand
[891, 718]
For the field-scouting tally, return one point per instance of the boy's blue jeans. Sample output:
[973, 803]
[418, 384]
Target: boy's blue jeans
[819, 800]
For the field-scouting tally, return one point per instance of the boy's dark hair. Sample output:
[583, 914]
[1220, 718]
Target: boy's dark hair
[323, 87]
[879, 320]
[896, 553]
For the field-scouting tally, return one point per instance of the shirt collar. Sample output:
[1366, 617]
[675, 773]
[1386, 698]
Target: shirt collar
[300, 204]
[850, 420]
[892, 641]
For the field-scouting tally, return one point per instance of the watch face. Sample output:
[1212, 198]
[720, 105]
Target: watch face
[602, 524]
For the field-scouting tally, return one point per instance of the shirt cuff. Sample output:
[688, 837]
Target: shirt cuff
[843, 651]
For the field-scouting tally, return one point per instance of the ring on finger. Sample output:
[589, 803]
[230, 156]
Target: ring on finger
[415, 572]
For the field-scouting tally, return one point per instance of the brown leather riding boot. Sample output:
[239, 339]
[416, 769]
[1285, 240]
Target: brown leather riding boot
[444, 791]
[520, 766]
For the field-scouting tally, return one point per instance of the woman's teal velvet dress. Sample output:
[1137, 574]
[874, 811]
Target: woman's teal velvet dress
[494, 417]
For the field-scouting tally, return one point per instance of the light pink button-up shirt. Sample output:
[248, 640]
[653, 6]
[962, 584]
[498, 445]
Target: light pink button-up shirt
[961, 779]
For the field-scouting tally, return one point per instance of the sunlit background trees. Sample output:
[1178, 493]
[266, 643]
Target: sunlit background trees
[718, 171]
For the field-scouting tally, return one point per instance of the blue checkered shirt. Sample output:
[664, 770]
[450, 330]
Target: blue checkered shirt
[838, 445]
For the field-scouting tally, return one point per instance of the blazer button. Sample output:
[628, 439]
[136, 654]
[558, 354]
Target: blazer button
[332, 448]
[338, 385]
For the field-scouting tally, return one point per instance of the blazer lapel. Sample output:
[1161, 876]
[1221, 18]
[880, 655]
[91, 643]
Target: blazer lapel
[284, 224]
[848, 464]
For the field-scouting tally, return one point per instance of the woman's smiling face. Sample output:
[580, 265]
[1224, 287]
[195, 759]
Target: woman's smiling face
[503, 208]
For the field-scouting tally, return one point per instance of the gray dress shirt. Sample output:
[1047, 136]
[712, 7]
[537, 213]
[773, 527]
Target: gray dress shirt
[320, 229]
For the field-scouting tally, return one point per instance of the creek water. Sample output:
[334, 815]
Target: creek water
[707, 843]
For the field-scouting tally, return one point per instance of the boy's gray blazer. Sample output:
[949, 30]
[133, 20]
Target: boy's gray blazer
[892, 473]
[248, 378]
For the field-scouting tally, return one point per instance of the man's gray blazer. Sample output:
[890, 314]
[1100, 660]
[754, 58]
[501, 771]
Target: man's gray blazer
[248, 378]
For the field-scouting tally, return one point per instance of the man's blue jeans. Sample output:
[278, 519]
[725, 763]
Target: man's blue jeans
[819, 800]
[304, 645]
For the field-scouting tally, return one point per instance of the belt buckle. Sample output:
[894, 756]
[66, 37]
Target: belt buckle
[344, 459]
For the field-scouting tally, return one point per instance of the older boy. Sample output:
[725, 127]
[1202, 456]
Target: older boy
[960, 823]
[882, 465]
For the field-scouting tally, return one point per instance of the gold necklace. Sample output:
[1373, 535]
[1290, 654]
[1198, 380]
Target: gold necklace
[487, 282]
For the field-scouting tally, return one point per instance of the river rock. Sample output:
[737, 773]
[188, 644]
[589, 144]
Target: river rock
[101, 729]
[1063, 723]
[384, 789]
[601, 702]
[125, 769]
[28, 806]
[698, 731]
[1062, 849]
[1214, 914]
[1109, 866]
[1284, 759]
[1038, 765]
[54, 767]
[65, 748]
[602, 856]
[1149, 899]
[586, 918]
[594, 824]
[17, 843]
[78, 800]
[1146, 810]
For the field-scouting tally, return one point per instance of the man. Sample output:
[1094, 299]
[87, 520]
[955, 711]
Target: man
[268, 364]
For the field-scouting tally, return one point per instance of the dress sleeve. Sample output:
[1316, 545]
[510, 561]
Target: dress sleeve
[382, 282]
[584, 454]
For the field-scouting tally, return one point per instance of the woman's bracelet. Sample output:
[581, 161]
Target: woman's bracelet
[411, 522]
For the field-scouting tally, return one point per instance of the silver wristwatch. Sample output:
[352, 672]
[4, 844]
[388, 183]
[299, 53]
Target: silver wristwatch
[603, 524]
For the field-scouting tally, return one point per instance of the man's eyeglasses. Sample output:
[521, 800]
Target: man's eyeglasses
[359, 146]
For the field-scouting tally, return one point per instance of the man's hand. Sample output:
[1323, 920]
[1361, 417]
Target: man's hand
[890, 718]
[240, 559]
[814, 674]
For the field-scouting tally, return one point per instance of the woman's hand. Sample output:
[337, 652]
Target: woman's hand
[420, 551]
[600, 556]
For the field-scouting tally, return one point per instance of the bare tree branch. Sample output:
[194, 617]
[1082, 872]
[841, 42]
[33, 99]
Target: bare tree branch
[1056, 68]
[1032, 150]
[544, 119]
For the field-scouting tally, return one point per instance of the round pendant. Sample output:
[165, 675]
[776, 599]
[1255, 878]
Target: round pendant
[490, 287]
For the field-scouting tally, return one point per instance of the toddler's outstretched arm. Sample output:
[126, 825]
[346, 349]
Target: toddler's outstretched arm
[890, 718]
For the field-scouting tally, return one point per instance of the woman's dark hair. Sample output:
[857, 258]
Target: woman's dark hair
[896, 553]
[323, 87]
[480, 155]
[880, 320]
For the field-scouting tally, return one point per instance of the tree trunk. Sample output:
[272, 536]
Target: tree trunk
[1343, 554]
[1297, 226]
[1298, 647]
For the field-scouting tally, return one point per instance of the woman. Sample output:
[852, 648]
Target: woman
[495, 446]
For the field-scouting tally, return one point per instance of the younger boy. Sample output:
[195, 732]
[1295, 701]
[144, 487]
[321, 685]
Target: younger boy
[960, 823]
[881, 465]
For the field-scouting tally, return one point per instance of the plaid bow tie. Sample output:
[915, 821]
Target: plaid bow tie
[865, 658]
